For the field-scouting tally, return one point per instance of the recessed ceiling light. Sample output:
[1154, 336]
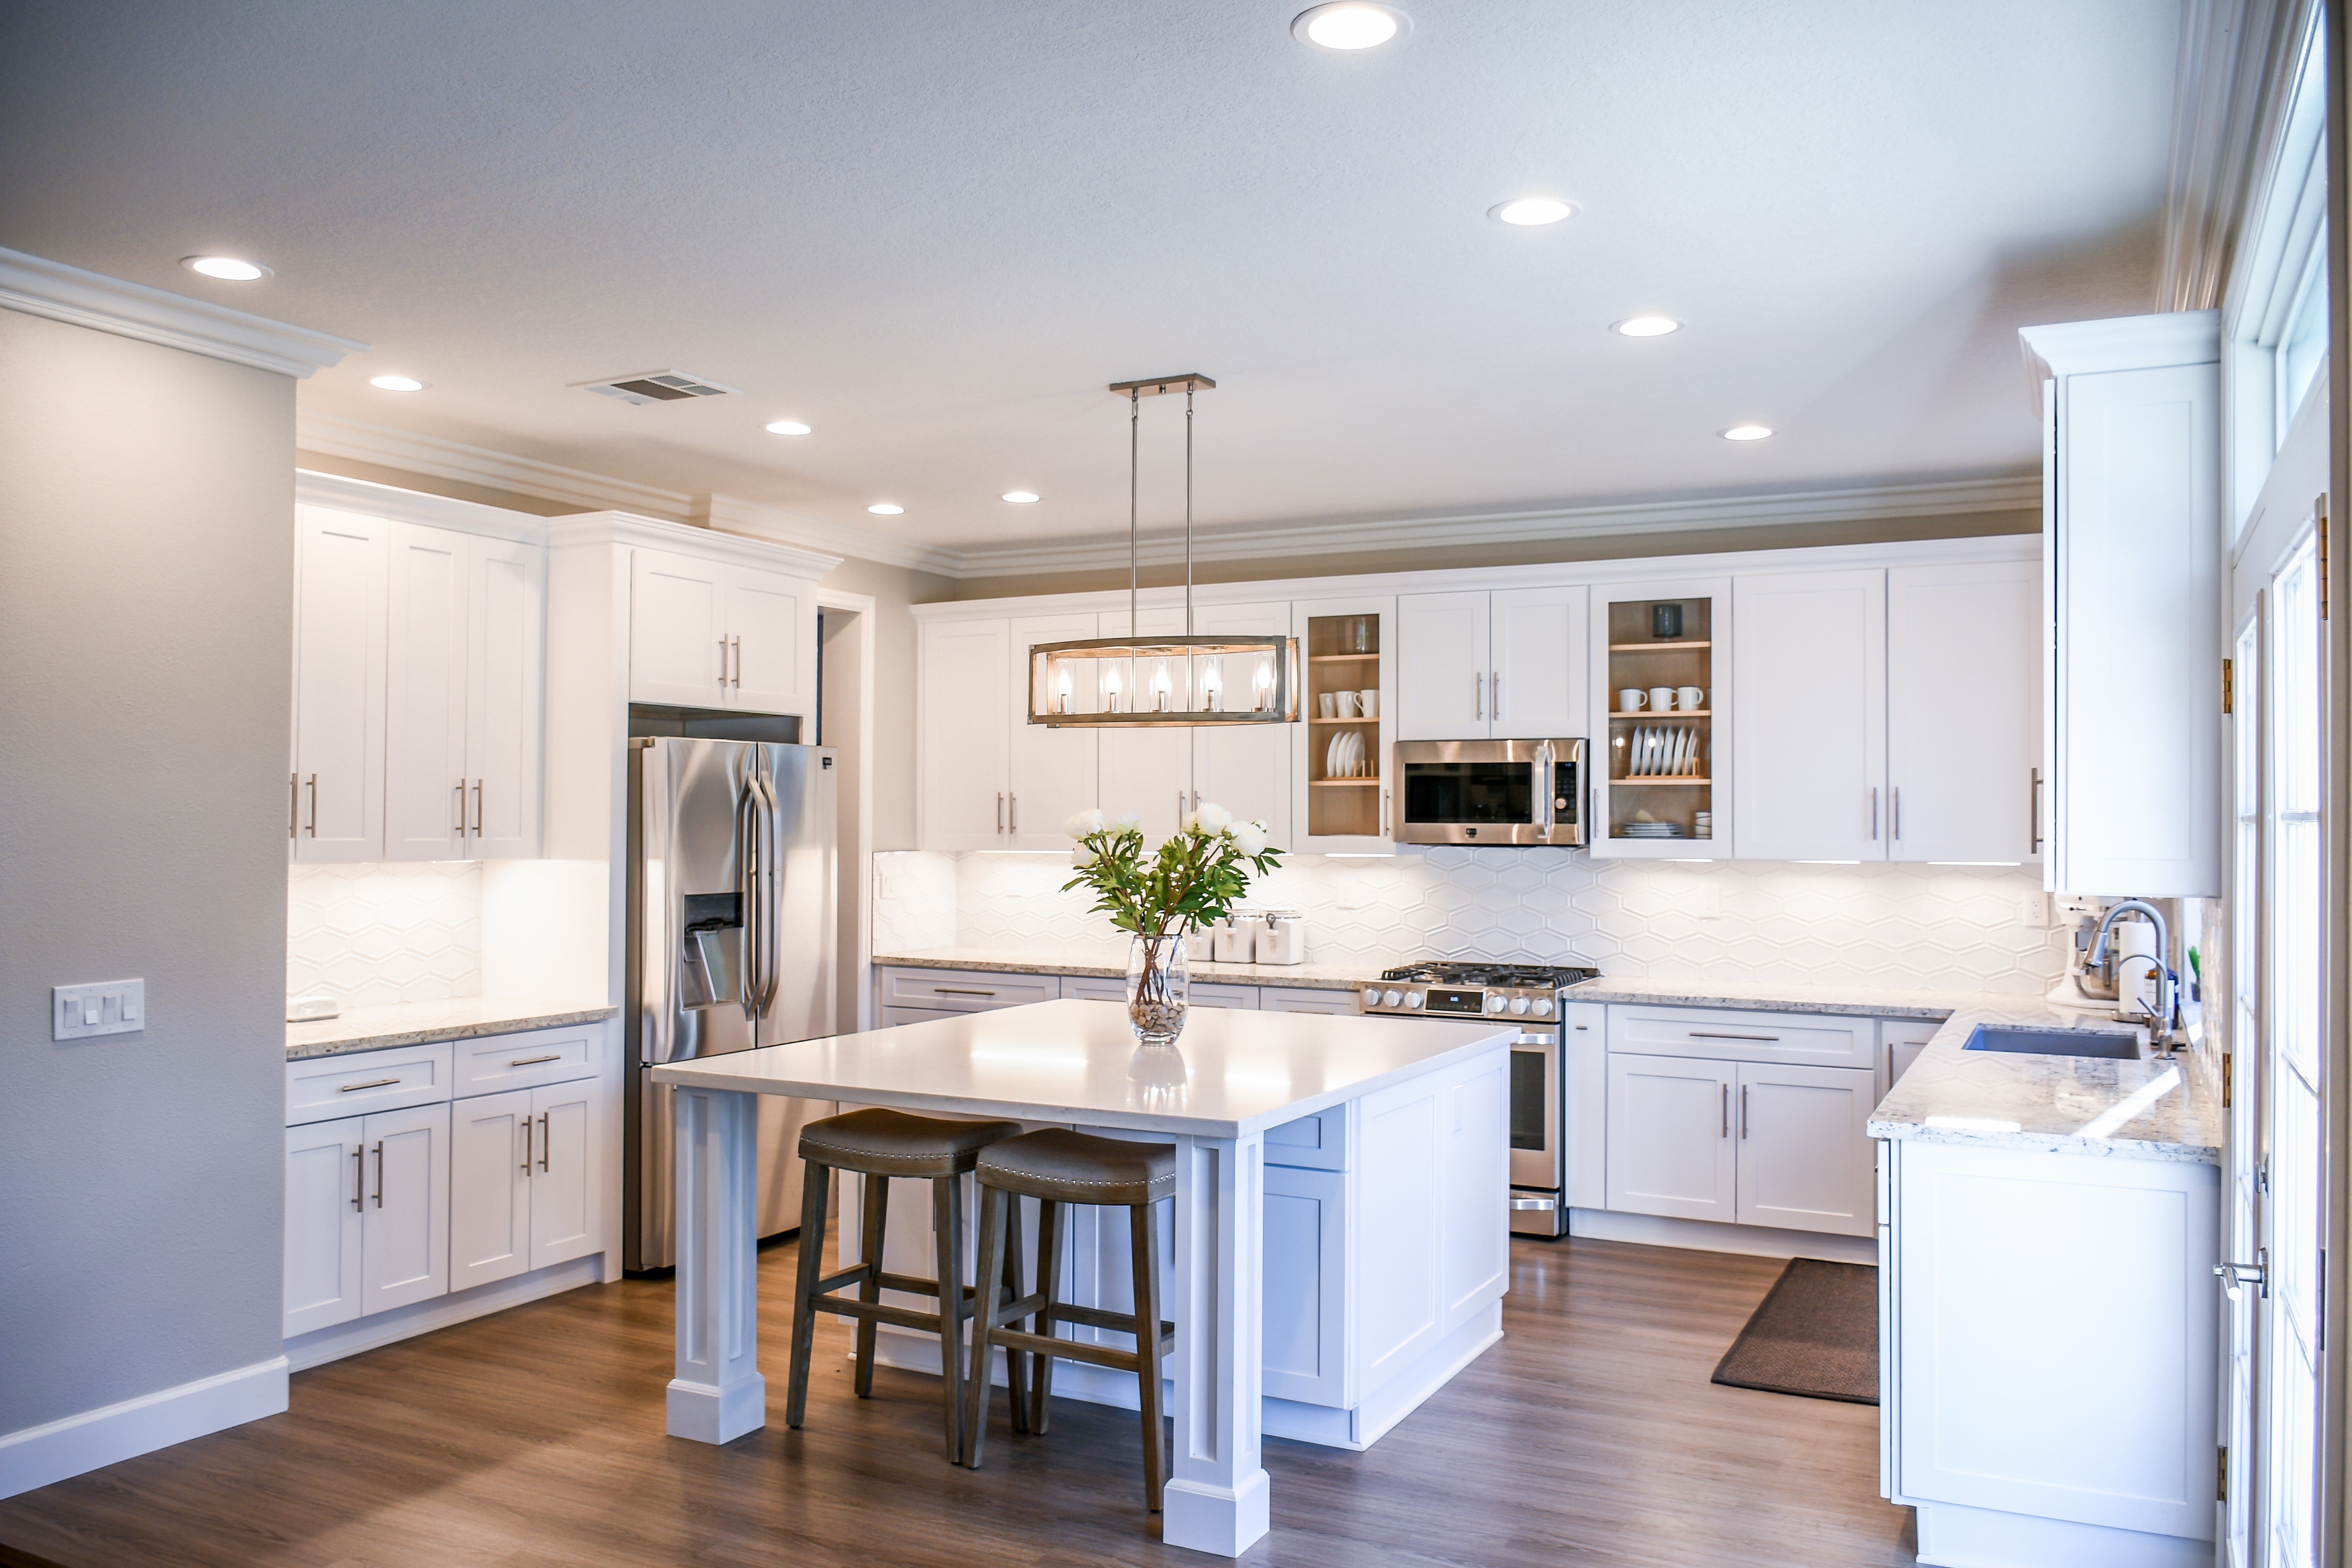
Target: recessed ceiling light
[396, 383]
[229, 268]
[884, 509]
[1747, 432]
[1020, 498]
[1350, 25]
[1646, 326]
[786, 427]
[1529, 212]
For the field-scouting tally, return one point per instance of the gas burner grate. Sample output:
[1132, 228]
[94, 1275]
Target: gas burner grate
[1525, 975]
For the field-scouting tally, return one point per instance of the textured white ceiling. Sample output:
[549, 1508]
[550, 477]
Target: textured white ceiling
[935, 231]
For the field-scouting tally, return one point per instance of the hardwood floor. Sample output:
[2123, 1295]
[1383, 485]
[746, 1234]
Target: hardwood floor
[533, 1439]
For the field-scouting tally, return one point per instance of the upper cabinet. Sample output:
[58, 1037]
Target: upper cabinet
[1340, 789]
[1506, 665]
[708, 634]
[1245, 768]
[1050, 774]
[335, 804]
[1660, 785]
[967, 718]
[2130, 797]
[1964, 710]
[1809, 752]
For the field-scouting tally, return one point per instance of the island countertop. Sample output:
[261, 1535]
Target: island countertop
[1071, 1061]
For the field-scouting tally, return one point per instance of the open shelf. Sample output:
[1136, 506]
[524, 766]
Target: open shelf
[1670, 781]
[1640, 662]
[1343, 655]
[1343, 658]
[1373, 721]
[1659, 647]
[1671, 713]
[1342, 783]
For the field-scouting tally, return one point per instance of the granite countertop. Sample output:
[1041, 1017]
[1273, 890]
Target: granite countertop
[1028, 961]
[1762, 996]
[423, 1023]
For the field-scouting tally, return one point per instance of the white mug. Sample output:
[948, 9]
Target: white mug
[1368, 701]
[1328, 703]
[1689, 698]
[1630, 700]
[1347, 701]
[1662, 699]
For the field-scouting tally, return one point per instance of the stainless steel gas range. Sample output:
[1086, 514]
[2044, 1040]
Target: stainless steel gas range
[1530, 996]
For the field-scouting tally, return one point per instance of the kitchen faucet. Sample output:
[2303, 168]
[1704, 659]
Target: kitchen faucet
[2167, 987]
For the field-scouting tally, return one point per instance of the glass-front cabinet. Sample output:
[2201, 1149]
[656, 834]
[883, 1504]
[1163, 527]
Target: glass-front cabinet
[1660, 785]
[1344, 737]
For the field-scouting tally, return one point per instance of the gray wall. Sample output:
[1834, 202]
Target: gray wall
[146, 581]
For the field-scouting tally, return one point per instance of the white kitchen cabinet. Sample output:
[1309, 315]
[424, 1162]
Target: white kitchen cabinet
[1506, 664]
[489, 1186]
[567, 1170]
[326, 1192]
[1211, 993]
[1441, 666]
[771, 633]
[1245, 768]
[966, 734]
[1050, 774]
[464, 686]
[1147, 771]
[1809, 659]
[1963, 710]
[708, 634]
[1308, 999]
[1904, 1038]
[1671, 1150]
[1344, 644]
[405, 1234]
[2132, 557]
[1584, 1132]
[1306, 1254]
[336, 788]
[1804, 1156]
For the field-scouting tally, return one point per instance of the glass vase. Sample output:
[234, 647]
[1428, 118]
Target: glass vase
[1159, 976]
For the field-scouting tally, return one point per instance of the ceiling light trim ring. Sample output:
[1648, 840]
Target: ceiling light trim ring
[1303, 25]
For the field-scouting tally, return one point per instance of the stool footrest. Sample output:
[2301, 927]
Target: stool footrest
[1067, 1349]
[1092, 1318]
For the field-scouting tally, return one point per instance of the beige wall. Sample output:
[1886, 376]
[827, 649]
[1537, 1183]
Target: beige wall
[146, 626]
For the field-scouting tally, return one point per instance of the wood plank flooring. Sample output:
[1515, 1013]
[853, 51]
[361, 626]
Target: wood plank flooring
[533, 1439]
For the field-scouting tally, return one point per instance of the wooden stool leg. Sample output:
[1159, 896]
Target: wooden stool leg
[987, 1307]
[946, 1233]
[1049, 1287]
[815, 1180]
[1145, 1243]
[870, 1286]
[1016, 1363]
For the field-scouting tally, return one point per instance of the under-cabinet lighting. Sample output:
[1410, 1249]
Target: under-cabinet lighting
[227, 269]
[2012, 864]
[1703, 859]
[1828, 862]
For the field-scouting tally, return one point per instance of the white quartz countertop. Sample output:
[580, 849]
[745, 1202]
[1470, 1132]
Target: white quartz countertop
[423, 1023]
[1079, 1062]
[1035, 960]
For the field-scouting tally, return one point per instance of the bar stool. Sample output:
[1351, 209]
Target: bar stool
[877, 1144]
[1058, 1166]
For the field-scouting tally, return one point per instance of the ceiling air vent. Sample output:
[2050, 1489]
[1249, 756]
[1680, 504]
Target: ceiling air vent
[656, 386]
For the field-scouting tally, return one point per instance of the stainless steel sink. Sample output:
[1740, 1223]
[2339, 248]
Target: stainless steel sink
[2113, 1044]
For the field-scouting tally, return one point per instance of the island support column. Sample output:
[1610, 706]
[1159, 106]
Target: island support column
[717, 1393]
[1217, 1498]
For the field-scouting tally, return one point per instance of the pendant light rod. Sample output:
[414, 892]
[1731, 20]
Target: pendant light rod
[1188, 511]
[1134, 572]
[1156, 386]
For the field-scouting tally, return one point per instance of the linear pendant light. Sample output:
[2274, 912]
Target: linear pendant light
[1137, 682]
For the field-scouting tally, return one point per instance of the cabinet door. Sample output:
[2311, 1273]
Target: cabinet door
[1475, 1246]
[406, 1251]
[1212, 994]
[565, 1172]
[1305, 1284]
[1245, 768]
[1051, 774]
[1670, 1146]
[1904, 1038]
[324, 1190]
[1442, 666]
[1808, 655]
[1963, 710]
[489, 1187]
[425, 773]
[339, 674]
[1804, 1157]
[1584, 1065]
[506, 689]
[1343, 815]
[766, 619]
[1537, 688]
[965, 734]
[1305, 999]
[1147, 772]
[678, 649]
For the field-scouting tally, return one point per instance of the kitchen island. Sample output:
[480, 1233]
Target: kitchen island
[1416, 1108]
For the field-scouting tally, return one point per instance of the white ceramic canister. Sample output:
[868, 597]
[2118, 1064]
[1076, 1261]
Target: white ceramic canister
[1283, 940]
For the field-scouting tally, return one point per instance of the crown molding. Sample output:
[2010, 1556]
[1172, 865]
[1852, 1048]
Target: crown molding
[737, 516]
[609, 528]
[1928, 498]
[337, 437]
[38, 287]
[2120, 342]
[337, 493]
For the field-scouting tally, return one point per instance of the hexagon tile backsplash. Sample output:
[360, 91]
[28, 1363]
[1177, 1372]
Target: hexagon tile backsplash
[378, 934]
[1966, 928]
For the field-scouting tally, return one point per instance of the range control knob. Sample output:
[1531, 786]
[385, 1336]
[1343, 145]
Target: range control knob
[1543, 1006]
[1413, 998]
[1371, 996]
[1495, 1003]
[1518, 1005]
[1392, 998]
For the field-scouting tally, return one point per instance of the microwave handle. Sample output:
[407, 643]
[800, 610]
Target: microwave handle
[1543, 782]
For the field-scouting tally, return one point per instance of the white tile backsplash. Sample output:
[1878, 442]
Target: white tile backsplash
[1918, 927]
[377, 934]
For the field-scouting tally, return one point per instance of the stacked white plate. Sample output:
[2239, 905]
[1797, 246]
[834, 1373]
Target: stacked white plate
[1653, 830]
[1344, 759]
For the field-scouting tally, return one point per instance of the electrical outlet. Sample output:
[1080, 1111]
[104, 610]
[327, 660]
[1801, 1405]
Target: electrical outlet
[106, 1007]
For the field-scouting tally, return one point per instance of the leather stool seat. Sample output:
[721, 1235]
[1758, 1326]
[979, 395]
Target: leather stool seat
[881, 1143]
[1064, 1166]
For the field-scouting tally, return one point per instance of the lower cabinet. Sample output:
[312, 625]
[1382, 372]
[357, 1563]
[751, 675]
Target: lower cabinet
[366, 1215]
[522, 1182]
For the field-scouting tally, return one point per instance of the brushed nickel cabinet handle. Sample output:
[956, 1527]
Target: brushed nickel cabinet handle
[1495, 690]
[2033, 810]
[1752, 1040]
[461, 824]
[1743, 1111]
[314, 806]
[293, 805]
[722, 664]
[526, 1145]
[543, 1138]
[952, 991]
[372, 1083]
[534, 1061]
[1726, 1111]
[359, 1178]
[1478, 696]
[1896, 814]
[379, 1173]
[1013, 818]
[478, 808]
[999, 811]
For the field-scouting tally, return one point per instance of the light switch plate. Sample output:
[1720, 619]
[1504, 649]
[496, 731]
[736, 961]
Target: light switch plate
[106, 1007]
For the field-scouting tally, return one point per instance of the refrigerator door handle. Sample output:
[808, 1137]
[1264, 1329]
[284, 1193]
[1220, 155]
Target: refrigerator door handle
[748, 843]
[771, 958]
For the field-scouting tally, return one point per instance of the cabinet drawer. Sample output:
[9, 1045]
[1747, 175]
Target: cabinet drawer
[1809, 1039]
[965, 991]
[1211, 993]
[497, 1063]
[1093, 988]
[1316, 1142]
[320, 1088]
[1308, 999]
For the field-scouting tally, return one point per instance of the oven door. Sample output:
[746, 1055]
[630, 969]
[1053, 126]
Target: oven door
[1535, 1111]
[1490, 792]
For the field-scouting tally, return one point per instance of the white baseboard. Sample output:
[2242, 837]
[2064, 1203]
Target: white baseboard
[321, 1346]
[1954, 1536]
[75, 1445]
[1706, 1235]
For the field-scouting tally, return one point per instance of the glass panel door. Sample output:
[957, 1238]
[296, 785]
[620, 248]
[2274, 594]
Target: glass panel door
[2241, 1236]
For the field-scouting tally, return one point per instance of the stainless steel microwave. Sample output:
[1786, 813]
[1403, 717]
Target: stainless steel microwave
[1490, 792]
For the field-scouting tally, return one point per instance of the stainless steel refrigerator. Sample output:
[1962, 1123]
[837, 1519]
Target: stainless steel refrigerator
[731, 924]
